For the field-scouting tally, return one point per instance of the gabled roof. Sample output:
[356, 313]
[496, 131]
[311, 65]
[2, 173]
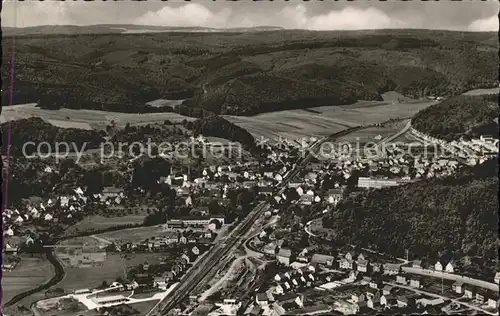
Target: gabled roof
[372, 290]
[256, 310]
[283, 252]
[362, 262]
[262, 297]
[392, 266]
[403, 299]
[319, 258]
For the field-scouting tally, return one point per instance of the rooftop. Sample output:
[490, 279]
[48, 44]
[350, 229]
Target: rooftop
[285, 252]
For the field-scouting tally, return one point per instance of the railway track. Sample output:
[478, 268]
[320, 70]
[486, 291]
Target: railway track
[199, 275]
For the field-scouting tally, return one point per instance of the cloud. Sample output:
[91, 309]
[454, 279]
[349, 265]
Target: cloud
[349, 18]
[20, 14]
[292, 17]
[485, 25]
[338, 16]
[192, 14]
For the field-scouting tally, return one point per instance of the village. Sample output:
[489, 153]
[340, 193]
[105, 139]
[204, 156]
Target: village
[346, 282]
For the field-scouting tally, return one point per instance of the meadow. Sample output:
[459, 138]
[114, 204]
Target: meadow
[97, 222]
[29, 273]
[86, 119]
[134, 234]
[368, 134]
[112, 268]
[326, 120]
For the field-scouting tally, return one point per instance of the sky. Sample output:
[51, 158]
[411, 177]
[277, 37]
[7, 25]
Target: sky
[473, 15]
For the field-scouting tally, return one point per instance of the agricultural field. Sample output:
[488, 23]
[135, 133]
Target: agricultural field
[134, 234]
[370, 134]
[325, 120]
[29, 273]
[81, 252]
[143, 307]
[85, 119]
[112, 268]
[60, 307]
[101, 222]
[290, 124]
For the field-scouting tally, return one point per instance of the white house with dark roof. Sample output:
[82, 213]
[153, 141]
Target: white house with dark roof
[9, 232]
[438, 266]
[457, 287]
[450, 267]
[284, 256]
[19, 220]
[262, 299]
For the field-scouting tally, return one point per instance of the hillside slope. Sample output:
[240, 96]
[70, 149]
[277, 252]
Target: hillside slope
[459, 116]
[244, 73]
[453, 216]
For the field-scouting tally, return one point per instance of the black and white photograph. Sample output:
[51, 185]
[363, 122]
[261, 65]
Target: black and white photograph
[250, 158]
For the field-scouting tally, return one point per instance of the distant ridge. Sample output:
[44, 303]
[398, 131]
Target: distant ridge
[123, 28]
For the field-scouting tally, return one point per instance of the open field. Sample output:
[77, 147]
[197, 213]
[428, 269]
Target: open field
[112, 268]
[134, 234]
[85, 119]
[26, 303]
[144, 307]
[369, 134]
[325, 120]
[101, 222]
[60, 307]
[483, 91]
[81, 252]
[87, 242]
[29, 273]
[291, 124]
[163, 102]
[69, 307]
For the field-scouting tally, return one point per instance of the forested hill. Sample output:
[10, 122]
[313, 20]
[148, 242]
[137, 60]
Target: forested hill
[455, 217]
[246, 73]
[34, 135]
[460, 116]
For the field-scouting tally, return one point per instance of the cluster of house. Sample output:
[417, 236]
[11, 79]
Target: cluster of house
[162, 275]
[303, 277]
[168, 240]
[267, 304]
[389, 169]
[374, 295]
[64, 206]
[479, 295]
[151, 277]
[215, 182]
[475, 150]
[348, 261]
